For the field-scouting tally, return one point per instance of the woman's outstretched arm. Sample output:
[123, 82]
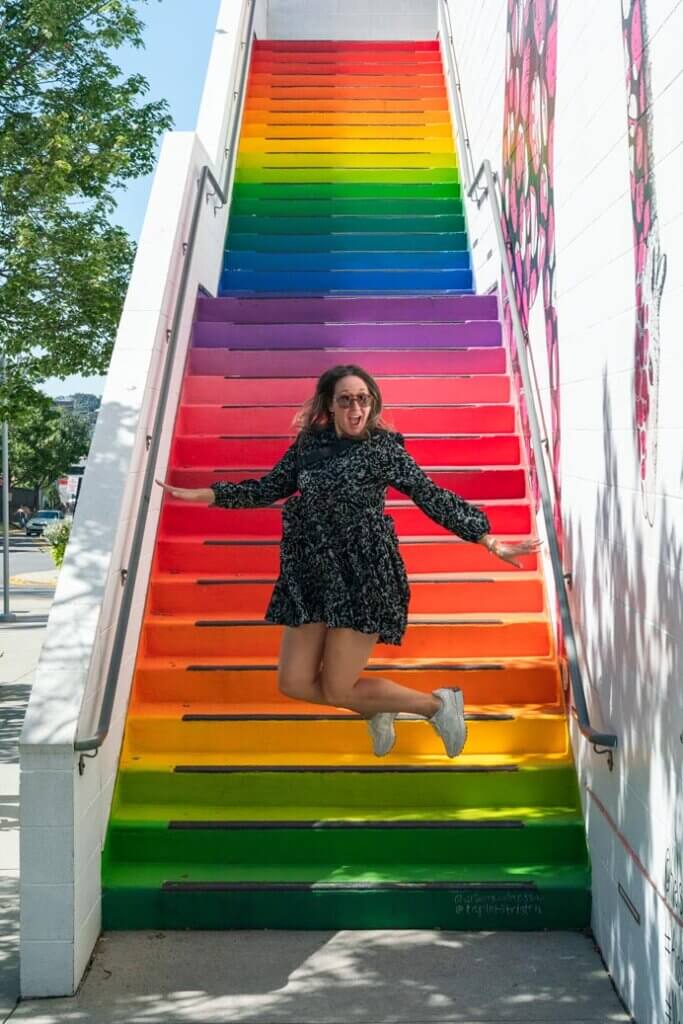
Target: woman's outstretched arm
[280, 482]
[445, 507]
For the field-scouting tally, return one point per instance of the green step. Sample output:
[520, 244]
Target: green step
[347, 175]
[333, 842]
[351, 190]
[445, 242]
[375, 207]
[541, 784]
[375, 896]
[431, 224]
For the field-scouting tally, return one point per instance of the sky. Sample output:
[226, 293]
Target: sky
[178, 36]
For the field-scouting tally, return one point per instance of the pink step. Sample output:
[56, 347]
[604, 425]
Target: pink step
[288, 363]
[395, 390]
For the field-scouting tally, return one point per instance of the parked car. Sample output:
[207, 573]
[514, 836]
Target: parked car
[44, 517]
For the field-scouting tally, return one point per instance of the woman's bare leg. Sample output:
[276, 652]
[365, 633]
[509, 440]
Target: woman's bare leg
[345, 655]
[300, 656]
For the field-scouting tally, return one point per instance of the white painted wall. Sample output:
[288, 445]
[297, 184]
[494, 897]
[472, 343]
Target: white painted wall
[351, 19]
[64, 814]
[628, 592]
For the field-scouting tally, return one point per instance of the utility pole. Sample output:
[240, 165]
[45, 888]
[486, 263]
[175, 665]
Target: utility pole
[6, 614]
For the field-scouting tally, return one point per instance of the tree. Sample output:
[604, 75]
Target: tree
[72, 130]
[44, 443]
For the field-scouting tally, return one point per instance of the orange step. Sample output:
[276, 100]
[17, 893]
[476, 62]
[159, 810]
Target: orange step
[207, 679]
[463, 638]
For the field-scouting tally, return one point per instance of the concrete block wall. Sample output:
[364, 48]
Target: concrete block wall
[622, 515]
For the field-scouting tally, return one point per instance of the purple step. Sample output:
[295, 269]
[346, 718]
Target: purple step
[304, 363]
[471, 334]
[340, 309]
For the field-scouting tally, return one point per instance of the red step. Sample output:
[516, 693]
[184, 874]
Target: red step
[224, 453]
[215, 595]
[431, 555]
[265, 421]
[179, 518]
[474, 485]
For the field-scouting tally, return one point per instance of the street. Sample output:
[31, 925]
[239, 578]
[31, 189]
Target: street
[26, 554]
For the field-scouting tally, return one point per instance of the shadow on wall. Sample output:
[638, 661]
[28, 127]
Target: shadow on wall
[634, 666]
[79, 603]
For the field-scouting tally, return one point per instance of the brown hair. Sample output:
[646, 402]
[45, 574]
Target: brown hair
[315, 414]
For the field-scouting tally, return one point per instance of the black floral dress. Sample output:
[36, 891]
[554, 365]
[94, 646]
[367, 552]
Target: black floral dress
[339, 558]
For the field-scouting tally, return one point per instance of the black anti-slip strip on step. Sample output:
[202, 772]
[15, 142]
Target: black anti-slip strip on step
[285, 437]
[348, 886]
[271, 582]
[237, 826]
[365, 769]
[379, 377]
[394, 405]
[418, 667]
[198, 717]
[221, 623]
[274, 542]
[239, 543]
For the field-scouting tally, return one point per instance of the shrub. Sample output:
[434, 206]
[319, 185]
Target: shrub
[57, 537]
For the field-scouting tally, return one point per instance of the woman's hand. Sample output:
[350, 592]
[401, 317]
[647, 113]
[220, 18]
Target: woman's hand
[509, 551]
[203, 494]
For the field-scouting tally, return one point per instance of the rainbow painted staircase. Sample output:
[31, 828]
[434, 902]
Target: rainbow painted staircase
[235, 807]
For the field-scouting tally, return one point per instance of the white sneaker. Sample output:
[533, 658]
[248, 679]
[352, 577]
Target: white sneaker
[382, 730]
[449, 720]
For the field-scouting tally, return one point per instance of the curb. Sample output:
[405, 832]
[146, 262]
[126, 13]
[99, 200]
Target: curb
[33, 581]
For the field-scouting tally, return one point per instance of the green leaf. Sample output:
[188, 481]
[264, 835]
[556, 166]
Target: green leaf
[73, 129]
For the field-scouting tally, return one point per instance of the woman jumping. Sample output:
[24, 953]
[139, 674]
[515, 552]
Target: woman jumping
[342, 584]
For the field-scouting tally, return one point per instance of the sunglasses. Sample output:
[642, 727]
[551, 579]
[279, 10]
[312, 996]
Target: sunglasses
[346, 401]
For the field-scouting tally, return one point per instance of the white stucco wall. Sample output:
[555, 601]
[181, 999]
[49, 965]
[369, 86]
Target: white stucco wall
[628, 594]
[64, 813]
[351, 19]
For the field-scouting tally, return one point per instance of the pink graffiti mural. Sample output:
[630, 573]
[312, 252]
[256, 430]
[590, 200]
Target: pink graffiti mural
[650, 262]
[527, 185]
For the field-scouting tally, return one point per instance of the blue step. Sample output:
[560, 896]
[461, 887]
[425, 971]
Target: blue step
[347, 261]
[346, 280]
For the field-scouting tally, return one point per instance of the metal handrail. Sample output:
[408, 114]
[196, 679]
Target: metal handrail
[603, 742]
[129, 575]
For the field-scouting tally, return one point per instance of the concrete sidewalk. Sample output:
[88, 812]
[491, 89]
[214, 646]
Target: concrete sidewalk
[381, 977]
[20, 644]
